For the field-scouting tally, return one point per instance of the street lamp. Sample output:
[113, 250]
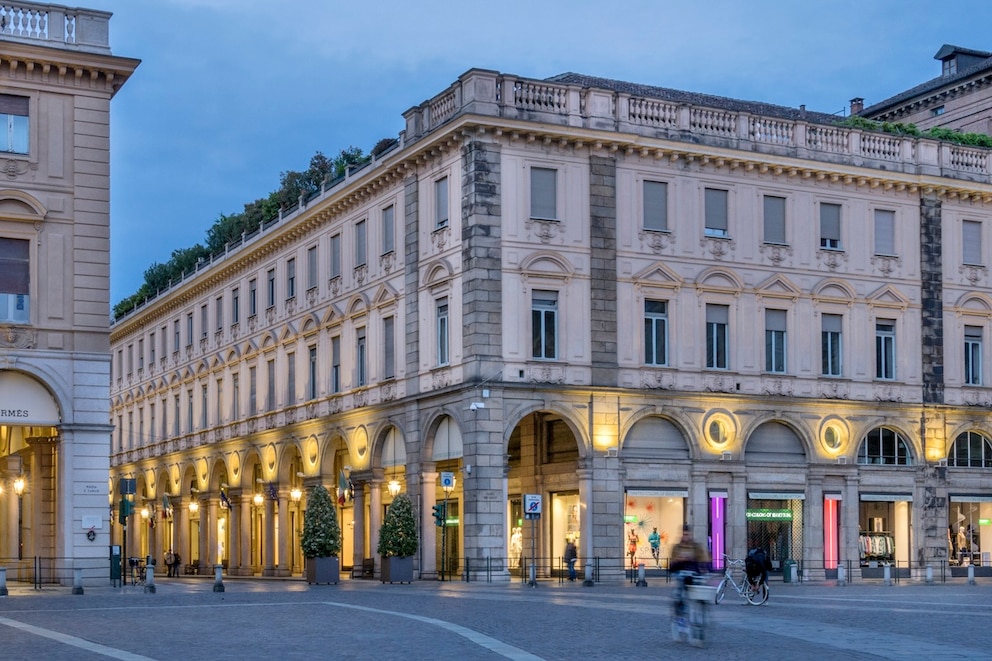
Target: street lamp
[394, 487]
[258, 499]
[295, 493]
[19, 486]
[194, 507]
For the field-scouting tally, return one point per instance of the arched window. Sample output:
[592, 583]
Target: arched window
[884, 446]
[971, 449]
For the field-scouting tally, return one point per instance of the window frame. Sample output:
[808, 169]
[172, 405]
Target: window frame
[543, 193]
[830, 226]
[973, 369]
[885, 349]
[655, 333]
[776, 341]
[654, 205]
[831, 346]
[544, 324]
[717, 336]
[716, 212]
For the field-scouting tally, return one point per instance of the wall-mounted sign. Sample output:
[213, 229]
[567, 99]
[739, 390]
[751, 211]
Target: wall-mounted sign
[24, 401]
[768, 515]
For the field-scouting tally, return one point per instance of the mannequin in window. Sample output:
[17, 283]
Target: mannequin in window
[963, 546]
[516, 547]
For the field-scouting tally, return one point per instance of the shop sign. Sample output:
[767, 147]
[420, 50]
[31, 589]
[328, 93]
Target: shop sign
[768, 515]
[630, 518]
[776, 495]
[984, 522]
[658, 493]
[886, 497]
[24, 401]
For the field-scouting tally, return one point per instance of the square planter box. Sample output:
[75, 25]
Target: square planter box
[397, 570]
[323, 570]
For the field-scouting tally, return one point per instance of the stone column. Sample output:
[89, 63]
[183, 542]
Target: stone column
[180, 542]
[246, 514]
[850, 525]
[375, 515]
[813, 529]
[586, 496]
[234, 535]
[285, 564]
[203, 541]
[211, 536]
[268, 539]
[358, 511]
[737, 517]
[428, 549]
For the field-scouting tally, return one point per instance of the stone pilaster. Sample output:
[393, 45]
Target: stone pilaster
[603, 268]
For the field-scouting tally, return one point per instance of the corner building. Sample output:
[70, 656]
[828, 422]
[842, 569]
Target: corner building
[57, 77]
[650, 307]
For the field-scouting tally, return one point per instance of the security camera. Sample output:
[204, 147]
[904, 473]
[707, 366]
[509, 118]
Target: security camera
[475, 406]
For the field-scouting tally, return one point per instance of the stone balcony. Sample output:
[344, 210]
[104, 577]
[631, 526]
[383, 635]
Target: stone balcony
[56, 26]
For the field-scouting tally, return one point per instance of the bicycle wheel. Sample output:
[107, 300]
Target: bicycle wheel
[721, 591]
[758, 595]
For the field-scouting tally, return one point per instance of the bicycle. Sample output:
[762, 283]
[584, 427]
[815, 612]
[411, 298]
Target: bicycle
[756, 593]
[689, 609]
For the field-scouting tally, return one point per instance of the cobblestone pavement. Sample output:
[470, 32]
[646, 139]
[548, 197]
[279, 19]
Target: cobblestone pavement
[265, 619]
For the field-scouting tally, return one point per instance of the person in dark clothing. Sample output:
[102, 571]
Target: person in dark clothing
[571, 555]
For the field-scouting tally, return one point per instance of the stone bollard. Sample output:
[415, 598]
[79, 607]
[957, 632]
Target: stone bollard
[887, 575]
[218, 581]
[77, 581]
[150, 579]
[532, 573]
[794, 574]
[588, 582]
[841, 575]
[971, 574]
[3, 582]
[641, 581]
[929, 574]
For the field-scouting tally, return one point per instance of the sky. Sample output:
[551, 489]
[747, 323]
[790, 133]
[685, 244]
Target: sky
[231, 93]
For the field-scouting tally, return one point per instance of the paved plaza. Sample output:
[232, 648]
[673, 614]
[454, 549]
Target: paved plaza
[288, 619]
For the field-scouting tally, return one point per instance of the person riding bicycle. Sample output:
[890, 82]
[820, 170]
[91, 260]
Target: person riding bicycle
[654, 539]
[756, 566]
[689, 557]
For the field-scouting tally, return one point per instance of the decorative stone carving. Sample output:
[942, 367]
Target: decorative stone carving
[440, 238]
[387, 261]
[656, 242]
[270, 314]
[832, 259]
[775, 253]
[440, 378]
[16, 337]
[718, 383]
[973, 274]
[658, 379]
[361, 398]
[311, 296]
[544, 230]
[361, 273]
[778, 387]
[885, 263]
[833, 390]
[718, 248]
[334, 284]
[14, 168]
[546, 374]
[387, 392]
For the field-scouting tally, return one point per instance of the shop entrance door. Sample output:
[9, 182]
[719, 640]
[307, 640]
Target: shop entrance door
[776, 527]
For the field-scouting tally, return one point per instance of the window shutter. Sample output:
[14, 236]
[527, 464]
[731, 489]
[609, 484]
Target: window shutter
[831, 323]
[830, 222]
[543, 193]
[774, 219]
[971, 234]
[14, 266]
[775, 320]
[13, 105]
[655, 205]
[717, 314]
[716, 209]
[885, 221]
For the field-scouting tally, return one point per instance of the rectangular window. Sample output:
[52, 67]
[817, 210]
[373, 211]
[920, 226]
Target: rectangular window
[219, 402]
[235, 396]
[389, 348]
[717, 340]
[336, 256]
[442, 331]
[175, 415]
[130, 359]
[655, 332]
[219, 311]
[775, 326]
[291, 379]
[291, 277]
[165, 418]
[774, 219]
[360, 357]
[175, 332]
[388, 231]
[335, 364]
[141, 355]
[189, 329]
[544, 193]
[312, 372]
[189, 411]
[973, 355]
[270, 288]
[544, 324]
[15, 268]
[120, 433]
[252, 390]
[360, 245]
[151, 423]
[203, 320]
[141, 426]
[203, 407]
[130, 430]
[165, 332]
[252, 297]
[270, 385]
[830, 226]
[885, 349]
[831, 346]
[151, 348]
[885, 232]
[656, 206]
[971, 235]
[441, 202]
[312, 267]
[14, 124]
[715, 201]
[235, 306]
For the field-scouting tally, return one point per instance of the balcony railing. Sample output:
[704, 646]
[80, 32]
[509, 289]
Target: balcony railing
[55, 26]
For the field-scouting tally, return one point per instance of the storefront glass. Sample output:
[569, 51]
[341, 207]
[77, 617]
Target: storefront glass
[647, 509]
[775, 525]
[969, 531]
[884, 537]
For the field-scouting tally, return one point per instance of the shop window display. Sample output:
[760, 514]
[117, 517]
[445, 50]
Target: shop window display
[645, 511]
[969, 531]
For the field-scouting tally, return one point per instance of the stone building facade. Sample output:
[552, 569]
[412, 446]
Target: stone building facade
[648, 307]
[56, 82]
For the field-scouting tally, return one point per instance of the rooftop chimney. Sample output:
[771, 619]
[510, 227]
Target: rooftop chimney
[857, 105]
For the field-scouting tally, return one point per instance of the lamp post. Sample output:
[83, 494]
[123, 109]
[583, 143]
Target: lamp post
[19, 491]
[447, 485]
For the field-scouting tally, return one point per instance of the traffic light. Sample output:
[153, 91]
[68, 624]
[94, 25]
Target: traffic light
[439, 514]
[125, 510]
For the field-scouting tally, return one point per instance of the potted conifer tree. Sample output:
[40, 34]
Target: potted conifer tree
[398, 541]
[321, 540]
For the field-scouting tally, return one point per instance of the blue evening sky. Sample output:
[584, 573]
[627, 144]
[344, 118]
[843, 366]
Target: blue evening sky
[232, 92]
